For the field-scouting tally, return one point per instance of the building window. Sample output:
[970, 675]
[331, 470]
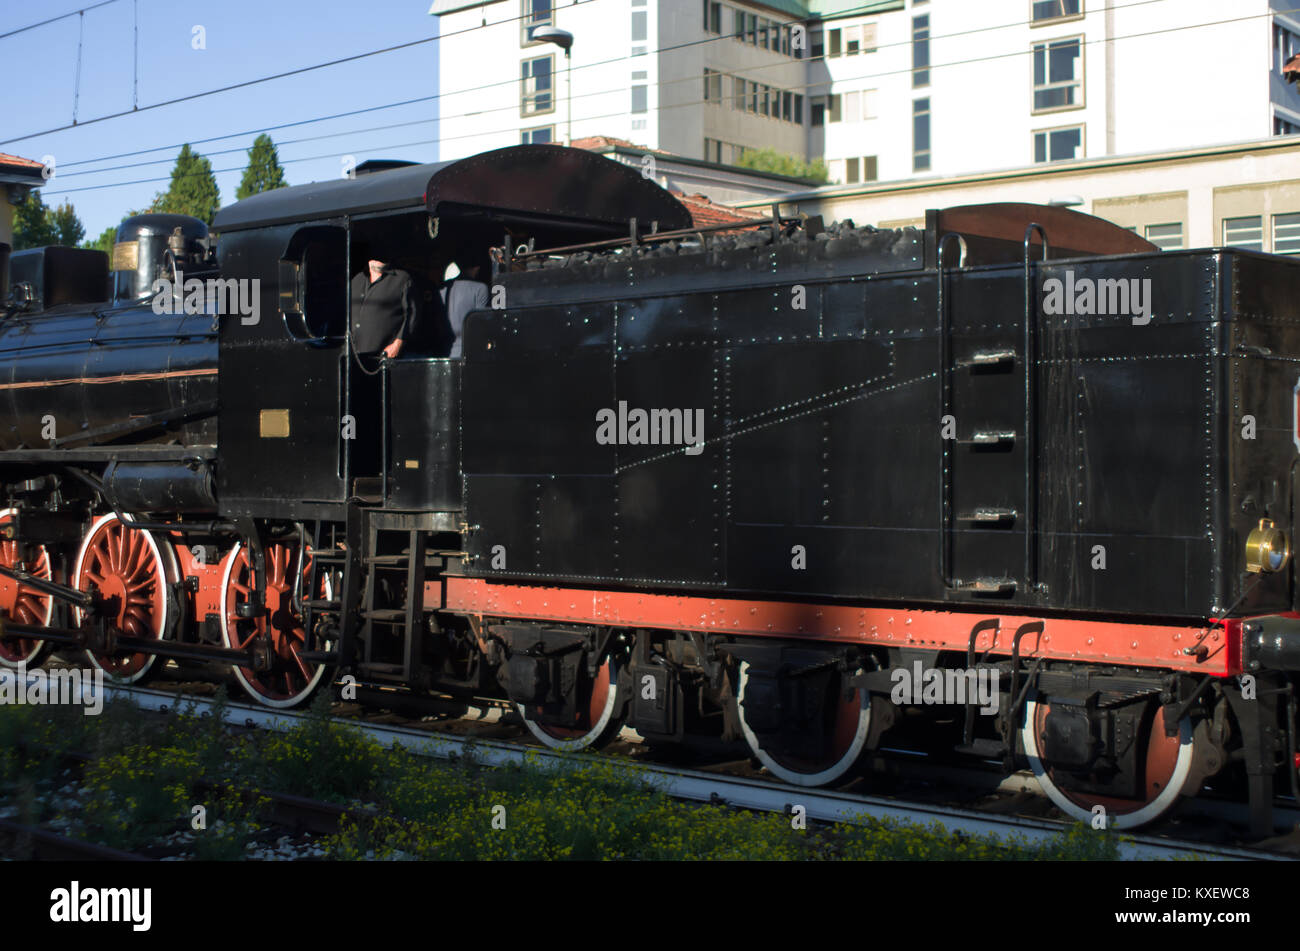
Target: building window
[1058, 145]
[870, 172]
[535, 13]
[852, 106]
[852, 40]
[787, 106]
[851, 171]
[536, 95]
[798, 109]
[870, 109]
[1285, 46]
[921, 135]
[920, 51]
[1058, 75]
[1245, 233]
[817, 112]
[1166, 237]
[638, 26]
[738, 100]
[1283, 127]
[541, 136]
[816, 43]
[868, 37]
[713, 151]
[1044, 10]
[712, 86]
[640, 100]
[713, 16]
[833, 102]
[1286, 234]
[834, 38]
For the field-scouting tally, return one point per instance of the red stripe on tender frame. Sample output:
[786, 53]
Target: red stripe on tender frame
[1115, 642]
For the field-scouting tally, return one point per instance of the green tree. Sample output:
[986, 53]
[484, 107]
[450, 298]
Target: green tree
[104, 242]
[780, 163]
[33, 223]
[193, 189]
[263, 172]
[67, 226]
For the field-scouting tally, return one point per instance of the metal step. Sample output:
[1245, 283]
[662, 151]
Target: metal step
[989, 516]
[991, 439]
[989, 358]
[385, 614]
[987, 586]
[322, 605]
[388, 560]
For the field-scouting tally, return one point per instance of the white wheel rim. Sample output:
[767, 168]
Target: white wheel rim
[1128, 820]
[579, 742]
[828, 775]
[228, 641]
[165, 563]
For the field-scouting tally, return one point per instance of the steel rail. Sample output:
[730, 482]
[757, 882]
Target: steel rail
[740, 792]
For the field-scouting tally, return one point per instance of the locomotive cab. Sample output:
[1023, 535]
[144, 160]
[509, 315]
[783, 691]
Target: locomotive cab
[320, 423]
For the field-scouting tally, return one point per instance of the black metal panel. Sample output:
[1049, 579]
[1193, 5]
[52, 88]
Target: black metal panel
[60, 276]
[1262, 293]
[91, 369]
[270, 383]
[533, 383]
[424, 432]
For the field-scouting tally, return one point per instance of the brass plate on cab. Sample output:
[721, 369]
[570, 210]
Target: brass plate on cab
[412, 463]
[274, 423]
[126, 256]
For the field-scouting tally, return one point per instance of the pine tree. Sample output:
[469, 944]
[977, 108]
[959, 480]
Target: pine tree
[263, 172]
[193, 189]
[67, 226]
[33, 223]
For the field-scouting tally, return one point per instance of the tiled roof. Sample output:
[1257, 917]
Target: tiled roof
[14, 161]
[705, 213]
[597, 143]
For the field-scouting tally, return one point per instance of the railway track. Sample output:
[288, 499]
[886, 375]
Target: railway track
[745, 792]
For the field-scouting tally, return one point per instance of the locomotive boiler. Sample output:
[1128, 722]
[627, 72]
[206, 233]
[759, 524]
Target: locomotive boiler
[722, 482]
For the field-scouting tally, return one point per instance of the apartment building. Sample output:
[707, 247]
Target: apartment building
[879, 89]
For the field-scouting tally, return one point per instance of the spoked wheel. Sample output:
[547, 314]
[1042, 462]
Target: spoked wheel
[595, 723]
[132, 572]
[291, 680]
[24, 605]
[846, 725]
[1167, 771]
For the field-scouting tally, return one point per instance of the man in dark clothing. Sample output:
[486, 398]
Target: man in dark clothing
[464, 294]
[383, 309]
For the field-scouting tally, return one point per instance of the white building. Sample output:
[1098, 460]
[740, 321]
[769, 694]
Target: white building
[879, 89]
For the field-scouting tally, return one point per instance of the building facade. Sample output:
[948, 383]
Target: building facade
[879, 89]
[1245, 195]
[18, 176]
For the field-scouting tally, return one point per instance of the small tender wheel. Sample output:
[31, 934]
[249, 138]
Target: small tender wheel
[133, 572]
[595, 724]
[21, 604]
[847, 724]
[291, 680]
[1167, 772]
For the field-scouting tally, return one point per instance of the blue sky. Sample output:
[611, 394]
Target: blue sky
[245, 40]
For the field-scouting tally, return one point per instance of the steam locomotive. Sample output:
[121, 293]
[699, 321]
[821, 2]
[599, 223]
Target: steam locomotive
[737, 482]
